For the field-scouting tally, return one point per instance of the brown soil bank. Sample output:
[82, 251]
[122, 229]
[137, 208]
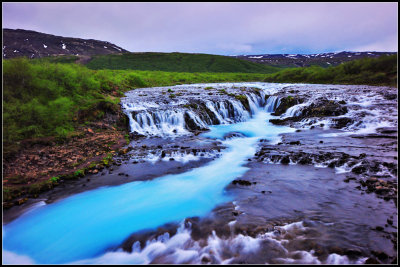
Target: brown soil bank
[40, 164]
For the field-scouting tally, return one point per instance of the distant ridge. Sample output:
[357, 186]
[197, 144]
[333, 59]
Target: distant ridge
[305, 60]
[177, 62]
[32, 44]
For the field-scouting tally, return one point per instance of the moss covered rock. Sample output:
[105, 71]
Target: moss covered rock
[286, 103]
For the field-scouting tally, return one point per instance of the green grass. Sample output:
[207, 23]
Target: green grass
[369, 71]
[177, 62]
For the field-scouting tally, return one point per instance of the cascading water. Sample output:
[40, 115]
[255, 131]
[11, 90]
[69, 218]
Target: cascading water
[86, 225]
[145, 120]
[168, 122]
[294, 110]
[272, 103]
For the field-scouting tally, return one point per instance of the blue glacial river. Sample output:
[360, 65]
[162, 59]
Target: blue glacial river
[88, 224]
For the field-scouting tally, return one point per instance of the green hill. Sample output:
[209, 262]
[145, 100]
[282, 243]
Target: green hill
[370, 71]
[177, 62]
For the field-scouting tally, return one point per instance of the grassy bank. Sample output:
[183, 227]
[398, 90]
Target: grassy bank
[369, 71]
[42, 99]
[177, 62]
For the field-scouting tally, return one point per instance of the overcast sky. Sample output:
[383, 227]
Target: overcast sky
[217, 28]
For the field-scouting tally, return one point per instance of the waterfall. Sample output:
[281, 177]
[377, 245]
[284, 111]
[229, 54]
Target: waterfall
[238, 111]
[162, 122]
[146, 120]
[253, 102]
[272, 103]
[212, 107]
[294, 111]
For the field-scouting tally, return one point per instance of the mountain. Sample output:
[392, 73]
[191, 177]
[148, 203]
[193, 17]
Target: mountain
[177, 62]
[305, 60]
[31, 44]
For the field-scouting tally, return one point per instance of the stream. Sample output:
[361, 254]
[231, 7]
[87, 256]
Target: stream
[211, 179]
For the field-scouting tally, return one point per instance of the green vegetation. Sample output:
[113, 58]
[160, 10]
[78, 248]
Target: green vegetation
[57, 59]
[54, 179]
[370, 71]
[79, 173]
[177, 62]
[107, 159]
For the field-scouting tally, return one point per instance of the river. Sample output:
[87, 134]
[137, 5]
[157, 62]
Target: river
[304, 213]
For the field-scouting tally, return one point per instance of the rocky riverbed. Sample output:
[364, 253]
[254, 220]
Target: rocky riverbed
[319, 187]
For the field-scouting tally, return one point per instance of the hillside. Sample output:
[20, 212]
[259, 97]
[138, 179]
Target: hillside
[177, 62]
[31, 44]
[370, 71]
[306, 60]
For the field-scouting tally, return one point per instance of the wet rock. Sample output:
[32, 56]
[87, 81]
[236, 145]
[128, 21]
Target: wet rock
[135, 135]
[380, 255]
[286, 103]
[324, 107]
[241, 182]
[305, 161]
[336, 250]
[277, 121]
[233, 135]
[295, 143]
[359, 169]
[285, 160]
[340, 123]
[390, 96]
[332, 164]
[205, 259]
[353, 253]
[387, 130]
[371, 261]
[348, 179]
[21, 201]
[371, 180]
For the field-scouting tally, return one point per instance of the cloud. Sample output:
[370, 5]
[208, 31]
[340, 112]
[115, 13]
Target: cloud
[217, 28]
[236, 48]
[389, 44]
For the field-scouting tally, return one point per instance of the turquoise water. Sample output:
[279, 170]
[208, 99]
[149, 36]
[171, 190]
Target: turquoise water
[88, 224]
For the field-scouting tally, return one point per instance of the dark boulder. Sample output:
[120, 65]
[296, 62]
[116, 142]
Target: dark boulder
[286, 103]
[285, 160]
[340, 123]
[241, 182]
[324, 107]
[359, 169]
